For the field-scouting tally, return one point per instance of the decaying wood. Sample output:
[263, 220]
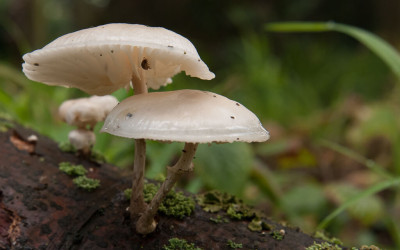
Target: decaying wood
[40, 207]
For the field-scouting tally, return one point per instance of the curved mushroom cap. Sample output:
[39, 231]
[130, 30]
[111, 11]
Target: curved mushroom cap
[84, 112]
[103, 59]
[185, 116]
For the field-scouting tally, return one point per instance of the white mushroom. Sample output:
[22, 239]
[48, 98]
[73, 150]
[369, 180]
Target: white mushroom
[82, 140]
[85, 113]
[103, 59]
[189, 116]
[184, 116]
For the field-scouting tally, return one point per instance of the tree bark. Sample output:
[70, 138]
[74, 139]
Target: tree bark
[40, 207]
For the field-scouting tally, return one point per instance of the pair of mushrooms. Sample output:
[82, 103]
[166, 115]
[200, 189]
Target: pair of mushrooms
[103, 59]
[85, 113]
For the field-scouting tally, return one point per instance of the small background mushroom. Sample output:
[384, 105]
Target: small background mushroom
[85, 113]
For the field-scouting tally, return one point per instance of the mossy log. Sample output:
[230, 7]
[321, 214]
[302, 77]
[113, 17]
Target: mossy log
[41, 208]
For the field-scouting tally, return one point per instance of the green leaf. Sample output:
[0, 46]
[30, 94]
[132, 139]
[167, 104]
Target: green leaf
[376, 44]
[355, 198]
[366, 210]
[294, 200]
[160, 156]
[225, 167]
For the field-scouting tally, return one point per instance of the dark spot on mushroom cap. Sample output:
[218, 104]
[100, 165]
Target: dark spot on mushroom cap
[170, 46]
[112, 51]
[36, 64]
[129, 115]
[232, 117]
[237, 104]
[101, 54]
[214, 96]
[145, 64]
[237, 138]
[198, 60]
[184, 52]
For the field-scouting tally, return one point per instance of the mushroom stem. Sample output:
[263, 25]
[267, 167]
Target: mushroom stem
[146, 223]
[139, 84]
[137, 204]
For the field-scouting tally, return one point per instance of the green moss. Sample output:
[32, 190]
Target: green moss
[365, 247]
[71, 169]
[278, 234]
[323, 246]
[149, 191]
[175, 204]
[86, 183]
[234, 245]
[240, 211]
[180, 244]
[66, 147]
[178, 205]
[219, 219]
[215, 201]
[257, 224]
[321, 235]
[128, 193]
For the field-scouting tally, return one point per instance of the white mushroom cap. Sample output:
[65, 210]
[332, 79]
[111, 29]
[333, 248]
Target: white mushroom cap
[84, 112]
[185, 116]
[82, 139]
[103, 59]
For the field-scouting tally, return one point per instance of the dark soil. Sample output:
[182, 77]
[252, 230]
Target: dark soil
[40, 207]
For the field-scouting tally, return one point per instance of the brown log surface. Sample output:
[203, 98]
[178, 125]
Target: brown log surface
[40, 207]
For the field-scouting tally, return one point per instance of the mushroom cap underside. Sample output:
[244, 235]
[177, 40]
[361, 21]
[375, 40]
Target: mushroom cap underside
[103, 59]
[186, 116]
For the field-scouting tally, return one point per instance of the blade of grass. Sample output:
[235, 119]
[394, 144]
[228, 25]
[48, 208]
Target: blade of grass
[376, 44]
[372, 165]
[370, 191]
[394, 230]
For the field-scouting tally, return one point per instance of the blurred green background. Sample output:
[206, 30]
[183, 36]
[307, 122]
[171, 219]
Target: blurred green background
[330, 104]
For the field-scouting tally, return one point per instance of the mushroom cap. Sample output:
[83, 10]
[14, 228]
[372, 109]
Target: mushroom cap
[185, 116]
[103, 59]
[86, 111]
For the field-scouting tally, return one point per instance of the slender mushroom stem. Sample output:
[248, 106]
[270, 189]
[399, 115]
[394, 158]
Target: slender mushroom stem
[137, 204]
[139, 83]
[146, 223]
